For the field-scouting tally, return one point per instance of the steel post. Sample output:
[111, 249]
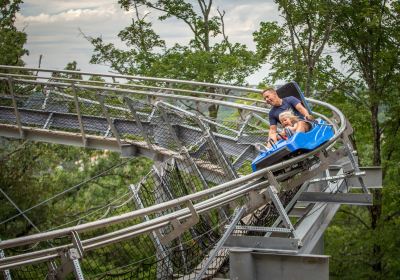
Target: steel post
[236, 218]
[109, 120]
[6, 273]
[15, 105]
[78, 112]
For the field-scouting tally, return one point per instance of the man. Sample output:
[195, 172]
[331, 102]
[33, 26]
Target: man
[280, 105]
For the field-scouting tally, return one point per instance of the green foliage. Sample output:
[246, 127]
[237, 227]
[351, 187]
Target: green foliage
[11, 40]
[362, 241]
[40, 171]
[295, 48]
[71, 66]
[201, 60]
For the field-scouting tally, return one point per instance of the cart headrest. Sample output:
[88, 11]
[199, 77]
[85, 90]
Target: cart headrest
[293, 89]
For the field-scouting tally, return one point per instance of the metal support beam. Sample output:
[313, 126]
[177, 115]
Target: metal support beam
[76, 241]
[263, 229]
[289, 206]
[15, 105]
[154, 237]
[236, 218]
[242, 157]
[372, 178]
[350, 153]
[262, 243]
[144, 133]
[78, 112]
[273, 193]
[110, 122]
[77, 270]
[241, 130]
[326, 160]
[337, 177]
[139, 204]
[179, 227]
[341, 198]
[250, 265]
[69, 263]
[183, 148]
[313, 225]
[48, 121]
[6, 273]
[231, 172]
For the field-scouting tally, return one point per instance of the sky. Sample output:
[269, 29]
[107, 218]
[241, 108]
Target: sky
[53, 28]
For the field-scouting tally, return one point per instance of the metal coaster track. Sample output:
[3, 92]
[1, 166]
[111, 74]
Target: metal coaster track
[162, 119]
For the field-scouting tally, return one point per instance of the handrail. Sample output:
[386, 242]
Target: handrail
[143, 78]
[75, 81]
[156, 94]
[175, 202]
[222, 193]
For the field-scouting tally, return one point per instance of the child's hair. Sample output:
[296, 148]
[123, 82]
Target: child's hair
[290, 115]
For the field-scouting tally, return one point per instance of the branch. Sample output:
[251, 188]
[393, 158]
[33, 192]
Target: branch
[150, 5]
[324, 40]
[295, 57]
[221, 16]
[293, 30]
[20, 147]
[342, 82]
[355, 216]
[390, 217]
[310, 27]
[203, 6]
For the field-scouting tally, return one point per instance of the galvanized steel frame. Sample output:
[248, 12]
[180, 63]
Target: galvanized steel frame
[232, 189]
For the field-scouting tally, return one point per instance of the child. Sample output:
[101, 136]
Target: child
[289, 121]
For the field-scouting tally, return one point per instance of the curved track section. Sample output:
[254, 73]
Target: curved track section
[199, 197]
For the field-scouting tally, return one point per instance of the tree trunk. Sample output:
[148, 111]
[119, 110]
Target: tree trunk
[309, 80]
[375, 210]
[376, 135]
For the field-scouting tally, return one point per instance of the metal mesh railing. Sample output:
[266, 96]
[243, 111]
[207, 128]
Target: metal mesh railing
[160, 116]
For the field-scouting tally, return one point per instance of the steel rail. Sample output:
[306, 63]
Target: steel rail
[128, 77]
[141, 228]
[190, 98]
[162, 206]
[137, 86]
[139, 113]
[135, 230]
[204, 206]
[159, 207]
[156, 94]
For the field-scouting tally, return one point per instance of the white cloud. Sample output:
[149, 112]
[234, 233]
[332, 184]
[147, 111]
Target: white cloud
[52, 27]
[244, 19]
[69, 16]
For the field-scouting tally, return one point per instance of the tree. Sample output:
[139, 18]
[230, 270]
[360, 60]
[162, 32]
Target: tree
[367, 36]
[200, 60]
[296, 47]
[11, 40]
[73, 181]
[143, 43]
[71, 66]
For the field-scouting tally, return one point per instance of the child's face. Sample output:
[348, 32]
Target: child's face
[285, 121]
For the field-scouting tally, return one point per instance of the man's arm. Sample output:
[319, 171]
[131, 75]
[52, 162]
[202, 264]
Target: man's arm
[272, 135]
[299, 107]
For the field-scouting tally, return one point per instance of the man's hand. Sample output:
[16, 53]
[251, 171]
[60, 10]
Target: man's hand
[309, 118]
